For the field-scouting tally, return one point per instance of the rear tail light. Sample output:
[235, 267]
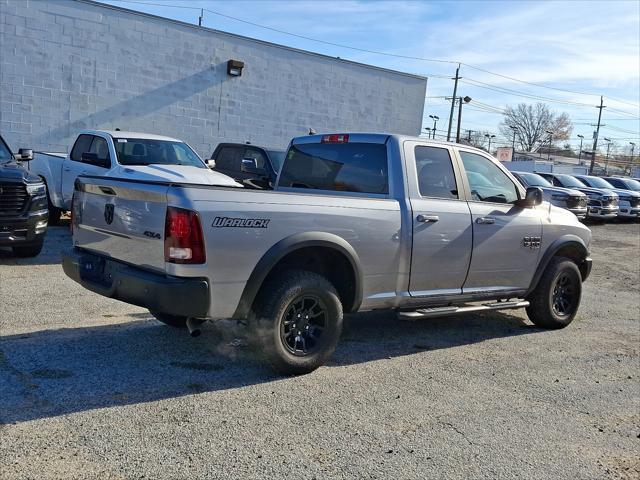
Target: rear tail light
[183, 238]
[335, 138]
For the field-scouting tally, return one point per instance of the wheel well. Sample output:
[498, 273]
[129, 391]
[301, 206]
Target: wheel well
[577, 254]
[325, 261]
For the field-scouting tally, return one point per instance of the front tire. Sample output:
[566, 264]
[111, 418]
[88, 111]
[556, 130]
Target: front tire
[54, 213]
[177, 321]
[555, 300]
[297, 321]
[28, 252]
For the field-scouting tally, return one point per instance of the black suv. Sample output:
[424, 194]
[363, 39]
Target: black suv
[253, 166]
[23, 204]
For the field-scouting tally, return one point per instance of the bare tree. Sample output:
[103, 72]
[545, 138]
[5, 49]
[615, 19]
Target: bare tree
[531, 123]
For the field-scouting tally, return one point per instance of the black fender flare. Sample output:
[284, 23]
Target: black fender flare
[564, 241]
[290, 244]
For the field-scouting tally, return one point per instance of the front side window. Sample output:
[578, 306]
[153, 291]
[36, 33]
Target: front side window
[82, 145]
[344, 167]
[436, 177]
[487, 181]
[100, 149]
[144, 151]
[257, 157]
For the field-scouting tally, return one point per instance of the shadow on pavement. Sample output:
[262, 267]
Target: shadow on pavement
[56, 240]
[56, 372]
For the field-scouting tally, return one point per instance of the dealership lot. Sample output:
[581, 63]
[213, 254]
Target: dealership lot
[93, 387]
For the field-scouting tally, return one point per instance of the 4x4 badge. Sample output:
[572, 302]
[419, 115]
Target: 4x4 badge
[108, 213]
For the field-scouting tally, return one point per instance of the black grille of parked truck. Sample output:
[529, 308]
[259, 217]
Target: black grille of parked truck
[23, 204]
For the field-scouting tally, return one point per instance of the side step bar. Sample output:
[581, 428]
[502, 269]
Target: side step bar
[442, 311]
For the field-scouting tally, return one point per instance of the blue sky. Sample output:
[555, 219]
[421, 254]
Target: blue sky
[590, 47]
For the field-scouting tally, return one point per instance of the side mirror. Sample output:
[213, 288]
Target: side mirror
[211, 163]
[532, 198]
[250, 165]
[93, 159]
[24, 155]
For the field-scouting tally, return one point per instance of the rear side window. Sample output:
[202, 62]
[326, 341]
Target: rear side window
[82, 145]
[228, 158]
[435, 173]
[343, 167]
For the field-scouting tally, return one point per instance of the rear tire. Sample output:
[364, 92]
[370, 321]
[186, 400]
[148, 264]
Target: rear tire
[555, 300]
[27, 252]
[177, 321]
[297, 321]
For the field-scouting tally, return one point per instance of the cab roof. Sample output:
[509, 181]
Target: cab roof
[379, 138]
[123, 134]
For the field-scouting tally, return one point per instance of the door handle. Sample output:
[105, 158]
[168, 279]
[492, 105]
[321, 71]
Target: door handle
[67, 169]
[427, 218]
[485, 220]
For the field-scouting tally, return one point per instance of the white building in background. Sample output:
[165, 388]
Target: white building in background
[67, 65]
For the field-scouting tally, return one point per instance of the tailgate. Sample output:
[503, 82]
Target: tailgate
[121, 219]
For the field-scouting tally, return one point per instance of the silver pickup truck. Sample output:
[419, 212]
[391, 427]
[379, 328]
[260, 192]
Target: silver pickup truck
[356, 222]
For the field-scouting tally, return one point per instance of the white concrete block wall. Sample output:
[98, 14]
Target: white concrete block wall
[66, 65]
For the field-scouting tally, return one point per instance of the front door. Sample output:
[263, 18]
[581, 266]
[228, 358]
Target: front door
[442, 232]
[506, 238]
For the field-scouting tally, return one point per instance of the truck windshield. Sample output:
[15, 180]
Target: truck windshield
[569, 182]
[5, 153]
[597, 182]
[145, 151]
[534, 180]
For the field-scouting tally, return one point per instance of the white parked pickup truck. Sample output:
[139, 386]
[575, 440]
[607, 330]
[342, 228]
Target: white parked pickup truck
[127, 155]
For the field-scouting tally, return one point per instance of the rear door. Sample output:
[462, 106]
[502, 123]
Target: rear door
[442, 232]
[123, 220]
[75, 165]
[506, 238]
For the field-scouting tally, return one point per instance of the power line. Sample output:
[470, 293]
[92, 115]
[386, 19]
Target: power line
[376, 52]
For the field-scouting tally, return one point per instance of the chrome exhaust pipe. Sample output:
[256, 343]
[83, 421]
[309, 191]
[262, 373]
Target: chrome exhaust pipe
[193, 325]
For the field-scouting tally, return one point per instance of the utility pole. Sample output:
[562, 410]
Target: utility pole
[633, 146]
[513, 143]
[453, 102]
[461, 100]
[550, 140]
[200, 17]
[595, 137]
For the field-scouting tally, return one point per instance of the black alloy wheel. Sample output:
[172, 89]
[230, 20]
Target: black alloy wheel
[303, 324]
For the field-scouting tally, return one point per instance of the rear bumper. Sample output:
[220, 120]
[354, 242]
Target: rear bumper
[161, 293]
[28, 229]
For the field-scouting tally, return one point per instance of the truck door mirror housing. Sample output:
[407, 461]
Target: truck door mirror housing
[93, 159]
[250, 165]
[532, 198]
[24, 154]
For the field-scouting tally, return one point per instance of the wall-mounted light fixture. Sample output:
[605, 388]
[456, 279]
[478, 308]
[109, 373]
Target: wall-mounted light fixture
[234, 68]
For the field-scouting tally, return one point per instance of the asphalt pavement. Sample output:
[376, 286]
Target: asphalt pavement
[95, 388]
